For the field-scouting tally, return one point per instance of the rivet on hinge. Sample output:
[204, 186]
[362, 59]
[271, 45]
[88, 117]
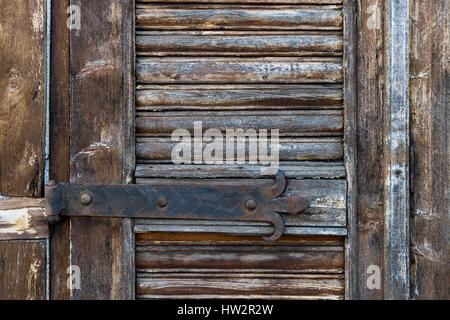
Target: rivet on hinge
[86, 199]
[162, 203]
[251, 205]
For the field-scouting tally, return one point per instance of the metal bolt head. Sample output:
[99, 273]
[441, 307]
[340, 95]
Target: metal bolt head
[162, 203]
[86, 199]
[251, 205]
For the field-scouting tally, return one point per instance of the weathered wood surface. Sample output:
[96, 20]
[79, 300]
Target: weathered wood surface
[238, 97]
[396, 224]
[240, 17]
[294, 170]
[227, 78]
[370, 175]
[22, 147]
[288, 123]
[429, 84]
[291, 149]
[240, 284]
[242, 70]
[238, 43]
[327, 198]
[100, 146]
[22, 97]
[60, 142]
[249, 1]
[216, 266]
[23, 270]
[350, 146]
[23, 219]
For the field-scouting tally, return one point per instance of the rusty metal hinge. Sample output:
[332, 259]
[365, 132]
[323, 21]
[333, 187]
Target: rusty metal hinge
[236, 203]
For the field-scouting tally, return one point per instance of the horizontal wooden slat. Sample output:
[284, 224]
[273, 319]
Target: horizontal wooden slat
[327, 199]
[215, 284]
[238, 17]
[23, 219]
[236, 296]
[196, 227]
[238, 70]
[289, 123]
[157, 43]
[294, 170]
[301, 260]
[291, 149]
[212, 97]
[247, 1]
[177, 239]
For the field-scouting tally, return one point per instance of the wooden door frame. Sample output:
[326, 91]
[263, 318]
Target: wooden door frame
[376, 112]
[376, 62]
[92, 140]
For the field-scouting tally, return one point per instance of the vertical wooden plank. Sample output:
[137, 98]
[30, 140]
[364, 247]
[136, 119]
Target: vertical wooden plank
[22, 147]
[396, 268]
[100, 61]
[60, 141]
[430, 274]
[23, 270]
[350, 108]
[370, 204]
[22, 97]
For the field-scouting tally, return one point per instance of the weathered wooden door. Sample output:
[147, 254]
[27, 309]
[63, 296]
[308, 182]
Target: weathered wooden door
[137, 72]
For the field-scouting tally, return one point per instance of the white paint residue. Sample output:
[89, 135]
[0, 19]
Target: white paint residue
[37, 20]
[329, 202]
[374, 21]
[17, 221]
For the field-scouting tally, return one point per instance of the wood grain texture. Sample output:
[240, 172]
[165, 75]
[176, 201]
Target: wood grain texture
[429, 83]
[396, 267]
[101, 104]
[240, 284]
[249, 1]
[242, 70]
[370, 204]
[237, 43]
[23, 219]
[350, 146]
[291, 149]
[228, 79]
[22, 97]
[238, 97]
[60, 142]
[289, 123]
[237, 17]
[238, 266]
[294, 170]
[326, 198]
[23, 270]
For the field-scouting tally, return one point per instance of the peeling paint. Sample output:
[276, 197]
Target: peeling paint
[17, 221]
[95, 66]
[329, 202]
[37, 19]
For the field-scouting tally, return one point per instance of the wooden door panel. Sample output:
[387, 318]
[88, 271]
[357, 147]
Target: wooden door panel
[226, 266]
[198, 62]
